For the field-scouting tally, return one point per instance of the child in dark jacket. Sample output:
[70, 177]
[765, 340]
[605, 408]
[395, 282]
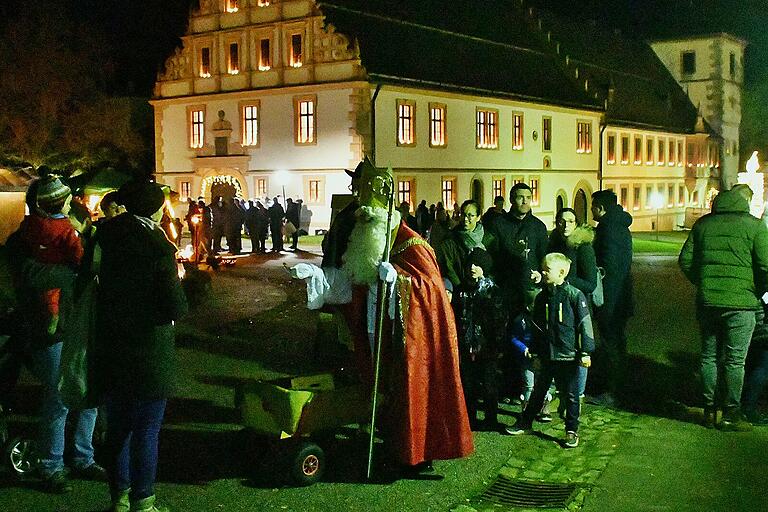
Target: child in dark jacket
[562, 341]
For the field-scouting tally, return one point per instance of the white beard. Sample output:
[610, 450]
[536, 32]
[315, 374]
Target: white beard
[366, 244]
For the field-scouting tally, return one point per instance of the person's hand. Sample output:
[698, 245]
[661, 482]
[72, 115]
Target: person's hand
[585, 361]
[450, 295]
[387, 272]
[477, 272]
[527, 354]
[535, 276]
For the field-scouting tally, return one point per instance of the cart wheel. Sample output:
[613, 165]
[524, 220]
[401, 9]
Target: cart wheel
[308, 464]
[21, 455]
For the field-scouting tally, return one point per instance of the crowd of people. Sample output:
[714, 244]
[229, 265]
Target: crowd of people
[229, 220]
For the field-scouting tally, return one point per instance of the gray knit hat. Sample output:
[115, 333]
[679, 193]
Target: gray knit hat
[51, 194]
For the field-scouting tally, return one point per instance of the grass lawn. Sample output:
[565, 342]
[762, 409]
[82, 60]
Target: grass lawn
[667, 242]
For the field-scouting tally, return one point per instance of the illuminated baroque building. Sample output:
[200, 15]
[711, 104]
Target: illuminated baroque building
[265, 96]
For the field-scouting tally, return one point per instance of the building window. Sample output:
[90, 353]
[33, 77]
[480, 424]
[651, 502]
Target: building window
[695, 198]
[623, 197]
[690, 154]
[648, 197]
[671, 152]
[662, 153]
[498, 187]
[679, 153]
[436, 125]
[517, 131]
[732, 65]
[583, 137]
[670, 195]
[404, 191]
[263, 3]
[205, 62]
[250, 123]
[449, 192]
[261, 187]
[296, 55]
[487, 129]
[265, 57]
[546, 133]
[233, 5]
[649, 151]
[534, 184]
[306, 120]
[197, 128]
[680, 194]
[314, 191]
[185, 187]
[635, 198]
[406, 123]
[611, 154]
[625, 149]
[233, 63]
[638, 150]
[688, 63]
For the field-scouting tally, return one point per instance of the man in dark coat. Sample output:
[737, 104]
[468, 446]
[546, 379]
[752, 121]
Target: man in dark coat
[219, 222]
[276, 215]
[293, 215]
[613, 252]
[140, 297]
[235, 227]
[517, 242]
[494, 212]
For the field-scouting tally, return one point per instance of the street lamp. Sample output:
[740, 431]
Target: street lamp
[281, 178]
[657, 201]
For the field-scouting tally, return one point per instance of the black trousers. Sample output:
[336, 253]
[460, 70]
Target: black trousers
[478, 378]
[566, 376]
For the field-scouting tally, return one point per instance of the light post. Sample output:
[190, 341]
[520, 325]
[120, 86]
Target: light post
[657, 201]
[281, 177]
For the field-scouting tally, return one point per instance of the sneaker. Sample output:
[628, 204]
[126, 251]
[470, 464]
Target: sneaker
[93, 472]
[571, 439]
[735, 422]
[57, 483]
[518, 429]
[710, 416]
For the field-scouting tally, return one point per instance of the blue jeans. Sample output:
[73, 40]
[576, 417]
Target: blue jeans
[53, 416]
[725, 337]
[133, 428]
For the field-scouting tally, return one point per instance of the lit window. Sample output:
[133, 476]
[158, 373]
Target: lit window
[233, 63]
[197, 131]
[233, 5]
[625, 149]
[611, 153]
[186, 189]
[487, 129]
[546, 133]
[404, 191]
[671, 153]
[305, 121]
[517, 131]
[250, 118]
[662, 153]
[296, 56]
[679, 153]
[680, 195]
[436, 125]
[670, 195]
[265, 58]
[649, 151]
[695, 198]
[648, 197]
[406, 123]
[623, 197]
[688, 63]
[205, 62]
[690, 154]
[449, 192]
[635, 198]
[638, 150]
[583, 137]
[314, 191]
[534, 184]
[261, 187]
[498, 188]
[263, 3]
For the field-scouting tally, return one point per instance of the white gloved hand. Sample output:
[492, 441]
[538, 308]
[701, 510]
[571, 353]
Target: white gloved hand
[302, 271]
[387, 272]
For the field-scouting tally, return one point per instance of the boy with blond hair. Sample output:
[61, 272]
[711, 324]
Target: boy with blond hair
[562, 341]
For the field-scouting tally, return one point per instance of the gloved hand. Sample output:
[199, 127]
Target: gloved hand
[302, 271]
[387, 272]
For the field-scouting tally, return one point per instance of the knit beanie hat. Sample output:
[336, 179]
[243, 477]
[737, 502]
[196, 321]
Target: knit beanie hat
[51, 194]
[141, 198]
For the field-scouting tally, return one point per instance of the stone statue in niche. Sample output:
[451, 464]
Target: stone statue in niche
[176, 65]
[221, 129]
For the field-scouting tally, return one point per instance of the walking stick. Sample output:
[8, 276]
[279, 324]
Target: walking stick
[380, 309]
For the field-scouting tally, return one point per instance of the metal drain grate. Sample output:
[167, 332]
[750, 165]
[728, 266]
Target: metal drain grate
[528, 494]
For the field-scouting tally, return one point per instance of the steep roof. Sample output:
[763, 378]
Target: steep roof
[398, 47]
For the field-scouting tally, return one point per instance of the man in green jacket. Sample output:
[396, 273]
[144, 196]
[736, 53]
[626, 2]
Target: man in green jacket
[726, 258]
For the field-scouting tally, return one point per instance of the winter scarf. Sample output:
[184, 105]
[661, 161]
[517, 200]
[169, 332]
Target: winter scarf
[472, 239]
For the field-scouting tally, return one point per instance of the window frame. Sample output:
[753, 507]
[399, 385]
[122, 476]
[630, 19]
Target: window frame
[535, 183]
[518, 131]
[637, 149]
[291, 53]
[205, 54]
[237, 61]
[583, 136]
[258, 181]
[661, 151]
[442, 123]
[232, 6]
[244, 121]
[297, 121]
[625, 149]
[683, 55]
[610, 148]
[487, 126]
[411, 181]
[320, 191]
[650, 150]
[399, 132]
[191, 132]
[546, 134]
[502, 189]
[261, 65]
[452, 189]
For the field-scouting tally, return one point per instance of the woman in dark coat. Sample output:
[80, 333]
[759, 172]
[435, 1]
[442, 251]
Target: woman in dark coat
[139, 299]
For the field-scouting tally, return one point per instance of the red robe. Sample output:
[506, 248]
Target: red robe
[425, 410]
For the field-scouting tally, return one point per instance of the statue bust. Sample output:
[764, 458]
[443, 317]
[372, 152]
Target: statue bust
[221, 129]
